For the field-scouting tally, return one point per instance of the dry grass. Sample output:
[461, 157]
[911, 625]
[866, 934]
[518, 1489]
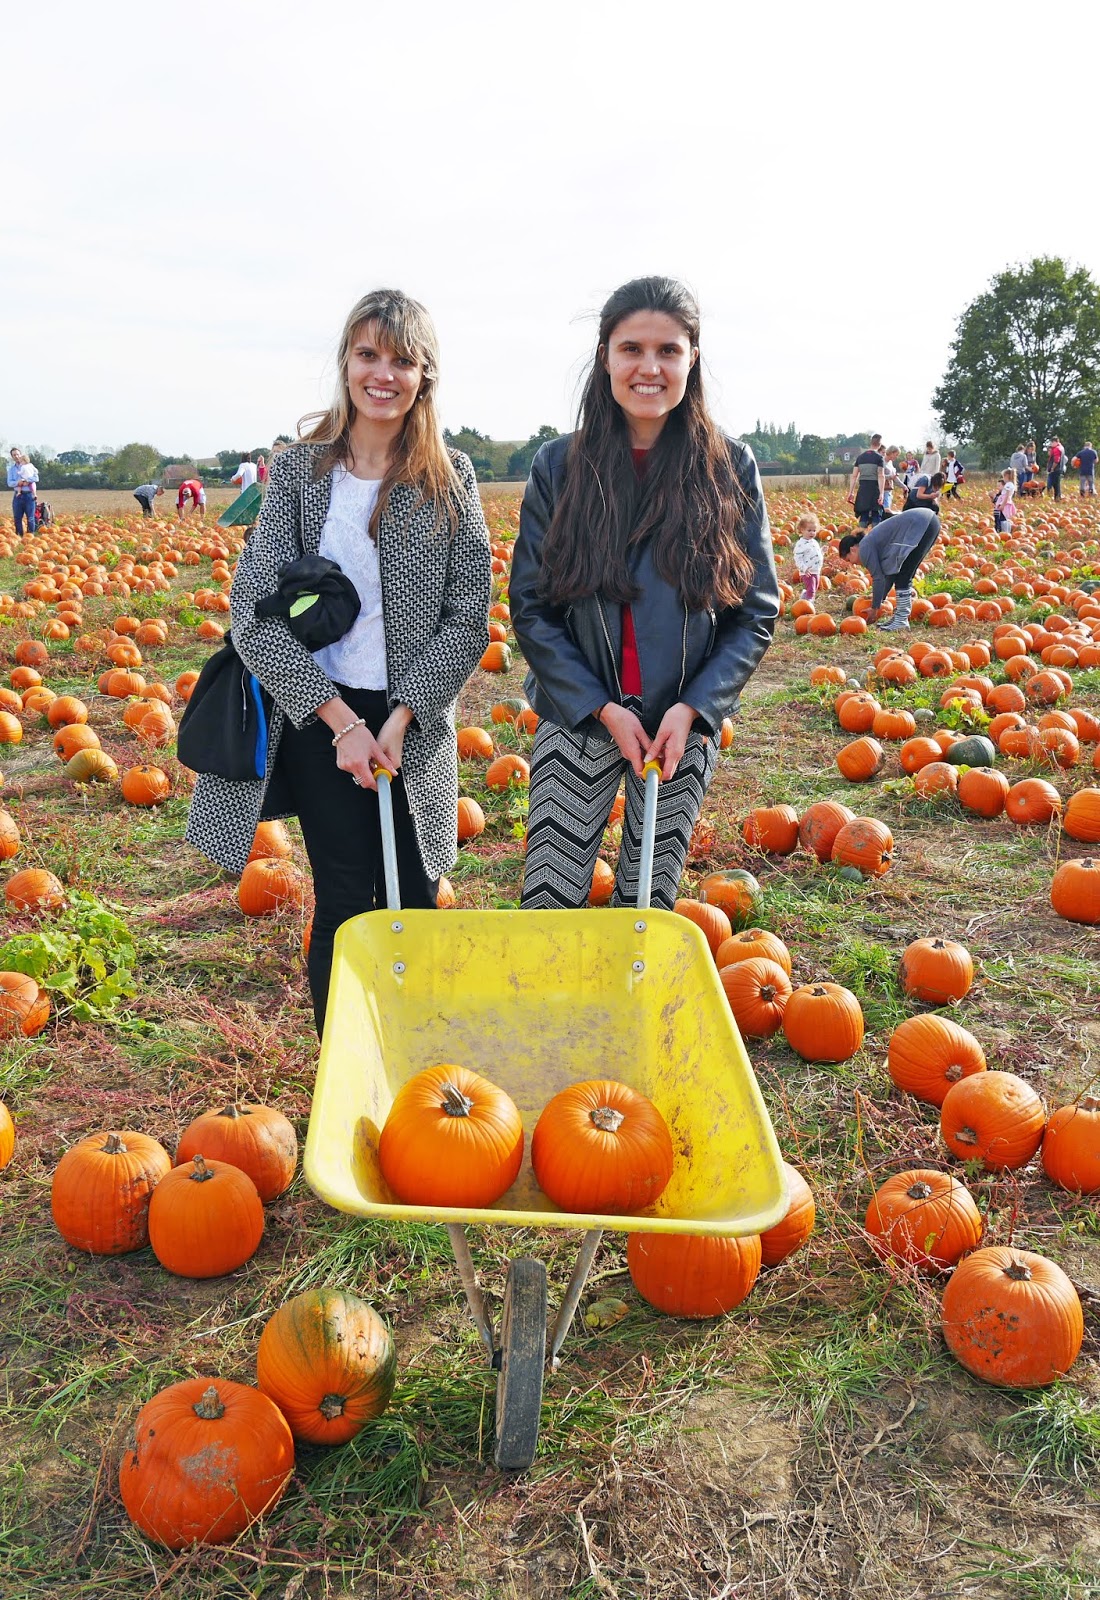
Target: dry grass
[817, 1442]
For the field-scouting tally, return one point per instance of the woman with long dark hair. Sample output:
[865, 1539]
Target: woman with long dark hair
[371, 485]
[643, 595]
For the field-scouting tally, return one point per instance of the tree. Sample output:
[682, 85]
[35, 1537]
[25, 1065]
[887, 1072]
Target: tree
[134, 463]
[519, 462]
[1025, 363]
[75, 458]
[813, 453]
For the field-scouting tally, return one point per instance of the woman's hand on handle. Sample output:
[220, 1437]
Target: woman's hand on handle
[391, 737]
[357, 754]
[357, 750]
[627, 732]
[672, 736]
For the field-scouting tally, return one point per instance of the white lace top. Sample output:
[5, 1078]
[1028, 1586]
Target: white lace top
[359, 658]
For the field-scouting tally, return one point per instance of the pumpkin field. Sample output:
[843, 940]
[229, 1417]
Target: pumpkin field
[893, 1393]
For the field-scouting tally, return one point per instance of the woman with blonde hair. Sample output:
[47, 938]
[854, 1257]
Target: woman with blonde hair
[371, 485]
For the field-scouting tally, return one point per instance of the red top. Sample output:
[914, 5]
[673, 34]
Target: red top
[630, 669]
[192, 487]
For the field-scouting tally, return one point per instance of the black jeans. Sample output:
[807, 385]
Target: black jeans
[904, 579]
[343, 835]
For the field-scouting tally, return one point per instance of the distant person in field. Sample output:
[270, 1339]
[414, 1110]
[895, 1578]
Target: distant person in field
[145, 494]
[808, 557]
[1086, 462]
[911, 472]
[191, 497]
[261, 471]
[1018, 463]
[1004, 502]
[1032, 456]
[23, 483]
[931, 462]
[889, 476]
[1056, 466]
[245, 475]
[892, 553]
[868, 483]
[643, 595]
[952, 475]
[925, 493]
[372, 486]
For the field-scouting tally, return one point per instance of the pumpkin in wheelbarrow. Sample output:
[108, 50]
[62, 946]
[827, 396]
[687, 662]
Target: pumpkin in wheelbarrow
[452, 1138]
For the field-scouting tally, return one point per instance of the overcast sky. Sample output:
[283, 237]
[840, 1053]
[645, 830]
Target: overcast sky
[201, 192]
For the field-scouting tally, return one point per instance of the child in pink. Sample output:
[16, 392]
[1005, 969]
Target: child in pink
[807, 554]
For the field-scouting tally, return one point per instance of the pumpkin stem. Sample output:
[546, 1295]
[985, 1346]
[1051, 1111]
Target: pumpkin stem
[767, 992]
[233, 1111]
[454, 1102]
[1090, 1103]
[919, 1191]
[200, 1172]
[818, 991]
[953, 1073]
[1018, 1271]
[966, 1136]
[606, 1118]
[209, 1408]
[332, 1406]
[937, 944]
[113, 1145]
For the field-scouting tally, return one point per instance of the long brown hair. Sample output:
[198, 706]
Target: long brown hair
[421, 458]
[690, 502]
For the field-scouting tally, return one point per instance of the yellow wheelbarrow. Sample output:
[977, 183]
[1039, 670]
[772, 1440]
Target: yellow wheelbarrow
[536, 1001]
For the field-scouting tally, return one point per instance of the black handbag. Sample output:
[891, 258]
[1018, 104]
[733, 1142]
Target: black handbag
[224, 726]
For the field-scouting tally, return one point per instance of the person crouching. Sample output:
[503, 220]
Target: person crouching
[892, 552]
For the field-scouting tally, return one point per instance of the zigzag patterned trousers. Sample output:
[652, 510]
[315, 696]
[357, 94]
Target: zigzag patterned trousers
[574, 780]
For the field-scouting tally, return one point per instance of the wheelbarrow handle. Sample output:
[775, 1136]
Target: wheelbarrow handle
[652, 775]
[389, 838]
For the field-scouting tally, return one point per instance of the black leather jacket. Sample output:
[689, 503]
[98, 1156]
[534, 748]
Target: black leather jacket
[702, 657]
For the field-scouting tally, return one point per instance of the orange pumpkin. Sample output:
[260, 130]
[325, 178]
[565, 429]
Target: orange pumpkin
[270, 885]
[24, 1006]
[205, 1219]
[927, 1054]
[257, 1139]
[790, 1234]
[712, 921]
[691, 1275]
[101, 1191]
[1012, 1317]
[329, 1363]
[451, 1138]
[601, 1147]
[757, 991]
[34, 889]
[1071, 1146]
[823, 1022]
[992, 1117]
[819, 825]
[771, 828]
[926, 1218]
[209, 1456]
[145, 786]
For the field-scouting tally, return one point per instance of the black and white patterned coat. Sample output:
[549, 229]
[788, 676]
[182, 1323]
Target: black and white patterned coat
[435, 602]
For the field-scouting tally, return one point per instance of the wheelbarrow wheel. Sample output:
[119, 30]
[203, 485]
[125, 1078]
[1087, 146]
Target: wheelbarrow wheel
[522, 1362]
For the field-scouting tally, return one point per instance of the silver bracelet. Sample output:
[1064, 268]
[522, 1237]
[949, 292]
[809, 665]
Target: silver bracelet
[360, 722]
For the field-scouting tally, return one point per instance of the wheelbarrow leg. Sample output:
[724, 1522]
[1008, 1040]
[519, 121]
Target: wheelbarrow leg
[585, 1257]
[478, 1309]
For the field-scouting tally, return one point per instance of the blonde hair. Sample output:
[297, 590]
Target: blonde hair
[1009, 476]
[808, 526]
[420, 458]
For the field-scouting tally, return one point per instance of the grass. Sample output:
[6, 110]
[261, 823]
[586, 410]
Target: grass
[820, 1434]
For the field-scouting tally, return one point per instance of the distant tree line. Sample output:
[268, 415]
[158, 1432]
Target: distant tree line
[135, 463]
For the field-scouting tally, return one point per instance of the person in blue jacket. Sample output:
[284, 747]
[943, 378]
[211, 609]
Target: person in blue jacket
[892, 553]
[643, 594]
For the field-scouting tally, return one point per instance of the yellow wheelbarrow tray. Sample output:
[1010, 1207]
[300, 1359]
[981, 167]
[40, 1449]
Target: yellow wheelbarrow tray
[536, 1001]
